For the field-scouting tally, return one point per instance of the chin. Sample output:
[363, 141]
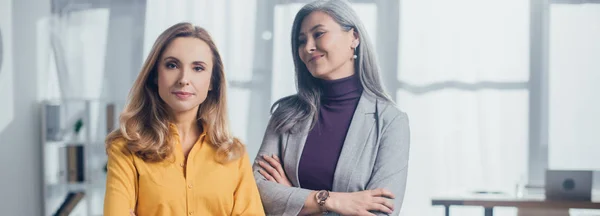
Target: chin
[318, 73]
[178, 107]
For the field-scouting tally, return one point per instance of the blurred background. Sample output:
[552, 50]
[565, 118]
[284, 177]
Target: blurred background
[497, 92]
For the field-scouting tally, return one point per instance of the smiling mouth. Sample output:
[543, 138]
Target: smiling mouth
[315, 58]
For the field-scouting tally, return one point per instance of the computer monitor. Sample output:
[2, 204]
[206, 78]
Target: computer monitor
[571, 185]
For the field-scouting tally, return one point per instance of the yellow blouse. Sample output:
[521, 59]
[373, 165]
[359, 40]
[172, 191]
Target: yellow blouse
[200, 187]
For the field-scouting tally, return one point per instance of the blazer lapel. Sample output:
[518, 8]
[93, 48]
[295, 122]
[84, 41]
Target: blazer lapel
[294, 145]
[361, 127]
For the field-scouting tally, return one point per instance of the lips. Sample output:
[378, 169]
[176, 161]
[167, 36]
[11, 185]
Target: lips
[315, 57]
[182, 94]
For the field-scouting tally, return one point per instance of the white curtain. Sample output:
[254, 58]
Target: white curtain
[464, 68]
[79, 45]
[573, 85]
[74, 59]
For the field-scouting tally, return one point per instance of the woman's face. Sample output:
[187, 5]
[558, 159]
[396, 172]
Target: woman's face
[325, 48]
[184, 74]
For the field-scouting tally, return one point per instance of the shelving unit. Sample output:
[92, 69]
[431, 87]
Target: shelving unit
[74, 155]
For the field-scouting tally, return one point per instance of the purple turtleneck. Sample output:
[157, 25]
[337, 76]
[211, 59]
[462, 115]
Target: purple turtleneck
[323, 146]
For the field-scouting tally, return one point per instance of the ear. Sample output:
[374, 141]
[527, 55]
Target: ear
[356, 40]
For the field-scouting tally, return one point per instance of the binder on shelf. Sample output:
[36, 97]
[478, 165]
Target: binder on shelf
[75, 163]
[72, 199]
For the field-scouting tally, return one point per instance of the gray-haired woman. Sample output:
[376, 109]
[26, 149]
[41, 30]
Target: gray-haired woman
[339, 145]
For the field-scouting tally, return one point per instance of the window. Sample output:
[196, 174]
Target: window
[574, 107]
[464, 82]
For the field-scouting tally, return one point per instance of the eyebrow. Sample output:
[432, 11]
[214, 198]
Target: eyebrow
[195, 62]
[312, 29]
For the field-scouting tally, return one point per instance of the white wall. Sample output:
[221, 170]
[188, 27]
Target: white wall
[6, 69]
[20, 152]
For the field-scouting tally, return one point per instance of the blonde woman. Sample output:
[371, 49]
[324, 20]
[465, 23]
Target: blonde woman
[174, 153]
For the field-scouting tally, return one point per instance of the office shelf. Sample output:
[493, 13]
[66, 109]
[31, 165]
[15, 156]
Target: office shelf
[74, 155]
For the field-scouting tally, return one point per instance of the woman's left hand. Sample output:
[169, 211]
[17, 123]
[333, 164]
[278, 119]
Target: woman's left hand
[273, 171]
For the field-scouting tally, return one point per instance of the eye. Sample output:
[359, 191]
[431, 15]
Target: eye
[301, 41]
[198, 68]
[318, 34]
[171, 65]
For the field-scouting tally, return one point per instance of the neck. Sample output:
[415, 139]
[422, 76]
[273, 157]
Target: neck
[343, 71]
[337, 75]
[341, 89]
[187, 123]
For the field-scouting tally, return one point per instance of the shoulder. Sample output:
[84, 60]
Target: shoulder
[390, 114]
[117, 146]
[119, 142]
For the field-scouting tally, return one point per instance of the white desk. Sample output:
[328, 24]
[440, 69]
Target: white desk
[533, 205]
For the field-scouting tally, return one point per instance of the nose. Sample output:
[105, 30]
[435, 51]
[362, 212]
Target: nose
[310, 46]
[183, 80]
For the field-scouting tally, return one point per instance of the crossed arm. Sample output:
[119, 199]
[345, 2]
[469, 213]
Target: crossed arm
[356, 203]
[385, 190]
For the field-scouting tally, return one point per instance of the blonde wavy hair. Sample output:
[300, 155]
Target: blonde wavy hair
[145, 120]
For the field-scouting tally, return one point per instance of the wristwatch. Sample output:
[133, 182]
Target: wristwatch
[321, 197]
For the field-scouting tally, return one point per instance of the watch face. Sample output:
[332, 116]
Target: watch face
[322, 195]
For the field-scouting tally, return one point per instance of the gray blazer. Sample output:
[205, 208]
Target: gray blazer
[374, 155]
